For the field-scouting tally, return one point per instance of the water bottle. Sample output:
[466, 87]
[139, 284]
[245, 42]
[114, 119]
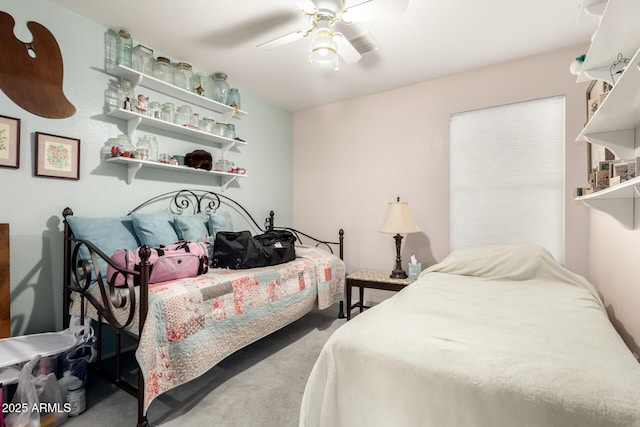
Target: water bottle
[76, 397]
[64, 382]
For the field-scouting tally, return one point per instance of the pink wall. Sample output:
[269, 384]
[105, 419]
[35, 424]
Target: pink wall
[613, 268]
[351, 158]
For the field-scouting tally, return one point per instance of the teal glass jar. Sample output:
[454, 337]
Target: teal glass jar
[233, 99]
[231, 131]
[124, 47]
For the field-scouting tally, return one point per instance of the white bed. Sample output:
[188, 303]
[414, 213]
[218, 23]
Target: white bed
[491, 336]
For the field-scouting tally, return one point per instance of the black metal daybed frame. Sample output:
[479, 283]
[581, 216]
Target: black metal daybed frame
[79, 274]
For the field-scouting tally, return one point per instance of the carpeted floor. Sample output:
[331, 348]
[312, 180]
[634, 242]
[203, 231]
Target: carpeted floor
[260, 385]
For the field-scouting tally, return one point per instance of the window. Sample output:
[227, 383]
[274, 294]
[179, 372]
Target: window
[507, 175]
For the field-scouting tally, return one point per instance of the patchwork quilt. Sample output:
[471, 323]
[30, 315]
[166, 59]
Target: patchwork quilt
[194, 323]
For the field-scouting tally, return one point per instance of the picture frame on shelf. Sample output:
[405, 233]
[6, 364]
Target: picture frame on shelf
[57, 156]
[9, 142]
[597, 91]
[596, 155]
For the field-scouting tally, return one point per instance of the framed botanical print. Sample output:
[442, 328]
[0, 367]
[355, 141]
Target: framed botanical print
[57, 156]
[9, 142]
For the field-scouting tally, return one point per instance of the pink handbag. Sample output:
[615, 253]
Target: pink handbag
[176, 261]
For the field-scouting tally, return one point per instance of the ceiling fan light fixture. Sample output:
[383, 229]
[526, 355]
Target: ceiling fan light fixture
[324, 49]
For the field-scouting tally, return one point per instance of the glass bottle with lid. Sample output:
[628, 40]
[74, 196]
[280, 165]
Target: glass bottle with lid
[124, 45]
[206, 124]
[153, 142]
[220, 88]
[142, 59]
[168, 112]
[220, 129]
[162, 70]
[143, 149]
[155, 109]
[183, 115]
[184, 76]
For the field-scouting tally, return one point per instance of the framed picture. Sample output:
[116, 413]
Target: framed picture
[9, 142]
[57, 156]
[596, 93]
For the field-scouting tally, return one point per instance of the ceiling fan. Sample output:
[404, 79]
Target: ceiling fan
[329, 44]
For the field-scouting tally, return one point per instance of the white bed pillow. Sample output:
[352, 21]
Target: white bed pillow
[520, 261]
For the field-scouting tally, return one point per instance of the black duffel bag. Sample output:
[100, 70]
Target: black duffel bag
[240, 250]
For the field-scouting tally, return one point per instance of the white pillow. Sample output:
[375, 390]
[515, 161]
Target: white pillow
[520, 261]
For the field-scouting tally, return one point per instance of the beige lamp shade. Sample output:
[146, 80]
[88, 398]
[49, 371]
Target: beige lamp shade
[399, 219]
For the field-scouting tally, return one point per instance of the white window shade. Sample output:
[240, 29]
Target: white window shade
[507, 175]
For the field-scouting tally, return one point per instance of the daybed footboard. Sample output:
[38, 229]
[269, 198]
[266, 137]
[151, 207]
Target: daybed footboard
[125, 308]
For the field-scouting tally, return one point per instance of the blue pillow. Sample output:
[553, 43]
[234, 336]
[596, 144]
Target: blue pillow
[108, 234]
[219, 221]
[192, 228]
[155, 229]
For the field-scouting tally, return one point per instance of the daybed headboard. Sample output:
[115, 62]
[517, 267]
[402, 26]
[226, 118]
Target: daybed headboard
[197, 201]
[203, 201]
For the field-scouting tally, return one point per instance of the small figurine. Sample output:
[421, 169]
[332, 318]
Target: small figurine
[141, 106]
[127, 104]
[200, 90]
[115, 151]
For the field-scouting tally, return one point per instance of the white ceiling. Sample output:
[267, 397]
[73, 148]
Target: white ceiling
[432, 38]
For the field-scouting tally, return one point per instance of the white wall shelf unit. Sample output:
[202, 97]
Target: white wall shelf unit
[134, 120]
[615, 122]
[134, 166]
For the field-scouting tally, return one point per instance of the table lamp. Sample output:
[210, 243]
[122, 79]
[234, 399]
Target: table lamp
[398, 221]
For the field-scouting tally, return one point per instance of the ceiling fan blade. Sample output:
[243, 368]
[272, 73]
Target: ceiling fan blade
[307, 6]
[370, 9]
[286, 39]
[346, 50]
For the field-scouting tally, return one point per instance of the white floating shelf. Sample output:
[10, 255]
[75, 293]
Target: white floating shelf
[617, 201]
[617, 33]
[193, 98]
[134, 165]
[621, 108]
[134, 119]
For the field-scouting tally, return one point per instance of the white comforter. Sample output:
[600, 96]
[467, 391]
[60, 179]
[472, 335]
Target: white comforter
[492, 336]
